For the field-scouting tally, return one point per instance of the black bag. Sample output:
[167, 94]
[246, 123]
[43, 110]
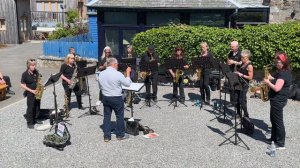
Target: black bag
[248, 126]
[293, 91]
[297, 95]
[132, 127]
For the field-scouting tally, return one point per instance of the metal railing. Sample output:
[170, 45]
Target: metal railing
[38, 16]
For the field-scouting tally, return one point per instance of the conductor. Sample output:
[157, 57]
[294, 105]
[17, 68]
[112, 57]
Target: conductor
[111, 88]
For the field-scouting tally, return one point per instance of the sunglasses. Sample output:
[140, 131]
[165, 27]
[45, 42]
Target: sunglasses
[31, 59]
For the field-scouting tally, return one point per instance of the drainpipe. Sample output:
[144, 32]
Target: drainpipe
[18, 23]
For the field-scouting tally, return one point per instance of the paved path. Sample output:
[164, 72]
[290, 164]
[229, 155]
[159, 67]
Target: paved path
[13, 64]
[187, 137]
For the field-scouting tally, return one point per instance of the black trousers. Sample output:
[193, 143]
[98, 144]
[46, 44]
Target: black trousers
[154, 79]
[7, 80]
[180, 86]
[77, 92]
[241, 100]
[204, 88]
[276, 116]
[33, 108]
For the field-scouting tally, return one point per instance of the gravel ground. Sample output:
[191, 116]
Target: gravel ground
[188, 137]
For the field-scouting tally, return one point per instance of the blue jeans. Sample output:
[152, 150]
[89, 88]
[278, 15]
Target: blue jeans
[116, 104]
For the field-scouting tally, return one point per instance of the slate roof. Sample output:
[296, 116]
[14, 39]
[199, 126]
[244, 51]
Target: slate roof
[176, 4]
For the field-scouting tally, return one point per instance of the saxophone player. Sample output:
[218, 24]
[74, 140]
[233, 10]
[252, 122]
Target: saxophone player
[178, 80]
[245, 73]
[29, 84]
[67, 71]
[279, 92]
[234, 56]
[151, 57]
[204, 78]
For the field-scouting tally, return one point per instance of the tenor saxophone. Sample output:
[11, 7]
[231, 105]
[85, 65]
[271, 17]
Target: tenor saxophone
[264, 88]
[39, 87]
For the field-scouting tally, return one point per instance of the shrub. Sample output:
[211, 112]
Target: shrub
[263, 41]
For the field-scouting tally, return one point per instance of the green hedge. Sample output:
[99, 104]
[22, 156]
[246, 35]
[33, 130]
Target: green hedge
[262, 41]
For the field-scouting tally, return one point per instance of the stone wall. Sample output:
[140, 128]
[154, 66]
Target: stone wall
[283, 10]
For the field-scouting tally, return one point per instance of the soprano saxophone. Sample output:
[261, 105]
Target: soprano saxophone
[74, 79]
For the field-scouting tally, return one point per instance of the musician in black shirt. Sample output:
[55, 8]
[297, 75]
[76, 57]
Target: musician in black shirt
[179, 55]
[29, 83]
[278, 94]
[149, 57]
[245, 73]
[234, 56]
[204, 80]
[68, 69]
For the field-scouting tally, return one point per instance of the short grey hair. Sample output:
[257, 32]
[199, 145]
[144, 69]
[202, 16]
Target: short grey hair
[246, 53]
[111, 60]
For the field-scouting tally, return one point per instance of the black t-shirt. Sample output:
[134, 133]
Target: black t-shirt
[67, 71]
[147, 59]
[29, 79]
[236, 57]
[283, 94]
[208, 63]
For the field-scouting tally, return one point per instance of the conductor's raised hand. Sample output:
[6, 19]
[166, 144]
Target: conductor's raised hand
[128, 70]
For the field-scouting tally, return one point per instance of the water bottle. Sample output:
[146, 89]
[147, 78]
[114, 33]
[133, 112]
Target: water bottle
[273, 150]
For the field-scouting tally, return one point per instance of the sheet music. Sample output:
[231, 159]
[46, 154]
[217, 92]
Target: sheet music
[134, 87]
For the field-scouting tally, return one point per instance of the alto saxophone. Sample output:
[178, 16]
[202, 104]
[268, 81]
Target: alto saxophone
[264, 88]
[74, 79]
[146, 74]
[178, 74]
[199, 73]
[39, 87]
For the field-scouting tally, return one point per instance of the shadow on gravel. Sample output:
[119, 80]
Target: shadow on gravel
[194, 96]
[216, 130]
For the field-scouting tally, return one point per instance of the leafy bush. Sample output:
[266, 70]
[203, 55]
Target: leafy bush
[263, 41]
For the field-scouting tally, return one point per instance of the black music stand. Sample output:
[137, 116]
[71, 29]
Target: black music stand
[224, 68]
[234, 84]
[177, 64]
[52, 80]
[134, 87]
[86, 72]
[149, 67]
[83, 85]
[201, 63]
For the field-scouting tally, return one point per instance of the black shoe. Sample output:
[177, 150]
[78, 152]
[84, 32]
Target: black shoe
[106, 139]
[80, 108]
[38, 122]
[207, 102]
[30, 126]
[182, 100]
[269, 140]
[155, 99]
[126, 136]
[10, 92]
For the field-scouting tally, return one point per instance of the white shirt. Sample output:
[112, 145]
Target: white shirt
[111, 81]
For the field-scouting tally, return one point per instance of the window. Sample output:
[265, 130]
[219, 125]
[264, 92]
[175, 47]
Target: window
[207, 19]
[123, 18]
[160, 19]
[2, 24]
[252, 16]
